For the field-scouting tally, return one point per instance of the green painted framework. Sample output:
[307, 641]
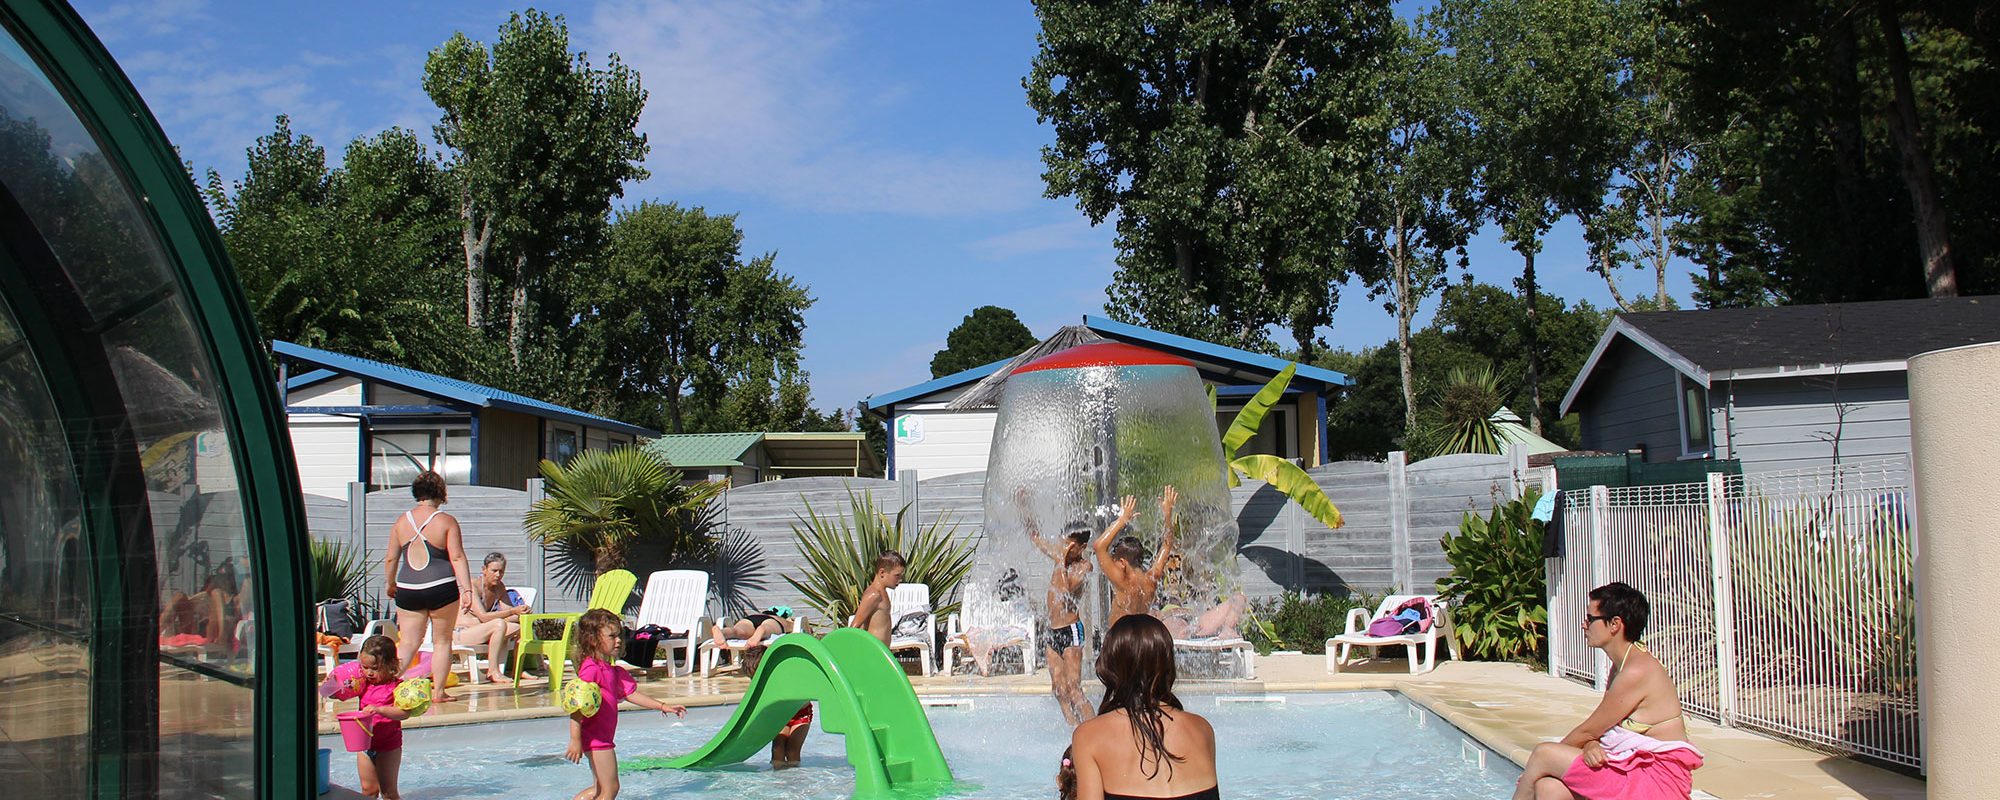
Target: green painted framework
[80, 68]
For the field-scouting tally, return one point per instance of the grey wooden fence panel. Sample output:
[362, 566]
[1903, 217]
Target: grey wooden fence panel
[959, 499]
[326, 518]
[1442, 490]
[762, 514]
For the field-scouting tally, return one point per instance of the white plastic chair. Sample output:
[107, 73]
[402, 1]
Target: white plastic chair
[674, 600]
[1239, 650]
[1357, 635]
[710, 651]
[907, 599]
[329, 656]
[1022, 638]
[470, 654]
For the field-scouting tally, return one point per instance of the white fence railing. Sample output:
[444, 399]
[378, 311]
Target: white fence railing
[1782, 602]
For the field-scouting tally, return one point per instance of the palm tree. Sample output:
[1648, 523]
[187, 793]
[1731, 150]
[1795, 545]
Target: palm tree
[1286, 476]
[603, 501]
[1462, 417]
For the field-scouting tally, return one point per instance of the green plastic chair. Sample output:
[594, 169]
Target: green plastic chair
[610, 593]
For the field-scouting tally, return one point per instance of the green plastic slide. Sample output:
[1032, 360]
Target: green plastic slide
[863, 695]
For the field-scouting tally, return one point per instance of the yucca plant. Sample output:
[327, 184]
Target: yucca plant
[840, 552]
[603, 501]
[1284, 475]
[337, 571]
[1496, 588]
[1462, 419]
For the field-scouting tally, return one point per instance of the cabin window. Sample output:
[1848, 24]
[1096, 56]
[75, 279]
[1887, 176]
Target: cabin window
[397, 454]
[1278, 436]
[1695, 440]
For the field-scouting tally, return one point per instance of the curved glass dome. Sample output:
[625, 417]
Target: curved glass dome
[152, 636]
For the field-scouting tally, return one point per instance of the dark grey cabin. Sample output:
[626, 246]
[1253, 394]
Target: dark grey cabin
[1786, 387]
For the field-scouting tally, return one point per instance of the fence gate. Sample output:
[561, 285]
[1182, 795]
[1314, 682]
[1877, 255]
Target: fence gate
[1782, 602]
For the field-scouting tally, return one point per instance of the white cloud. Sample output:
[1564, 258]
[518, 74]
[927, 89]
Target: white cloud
[1072, 234]
[756, 97]
[152, 19]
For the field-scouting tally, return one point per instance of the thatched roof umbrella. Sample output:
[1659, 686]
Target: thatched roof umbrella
[986, 393]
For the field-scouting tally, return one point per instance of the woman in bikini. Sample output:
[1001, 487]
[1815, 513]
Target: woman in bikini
[1654, 758]
[495, 614]
[1142, 743]
[428, 578]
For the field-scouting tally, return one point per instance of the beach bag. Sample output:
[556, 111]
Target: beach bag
[912, 626]
[1386, 626]
[331, 618]
[643, 645]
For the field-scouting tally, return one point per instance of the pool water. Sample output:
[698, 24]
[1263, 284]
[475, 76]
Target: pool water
[1355, 745]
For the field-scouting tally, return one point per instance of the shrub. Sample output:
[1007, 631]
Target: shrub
[840, 556]
[1300, 622]
[1497, 586]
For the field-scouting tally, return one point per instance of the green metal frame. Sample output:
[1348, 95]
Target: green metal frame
[80, 68]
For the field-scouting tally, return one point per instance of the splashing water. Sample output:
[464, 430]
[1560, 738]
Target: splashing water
[1077, 431]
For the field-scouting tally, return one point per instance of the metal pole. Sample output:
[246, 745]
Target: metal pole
[1719, 532]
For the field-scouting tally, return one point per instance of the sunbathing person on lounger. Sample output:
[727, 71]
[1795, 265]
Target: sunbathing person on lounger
[1635, 744]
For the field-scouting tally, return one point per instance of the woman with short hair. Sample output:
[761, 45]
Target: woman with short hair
[427, 578]
[1142, 743]
[1617, 752]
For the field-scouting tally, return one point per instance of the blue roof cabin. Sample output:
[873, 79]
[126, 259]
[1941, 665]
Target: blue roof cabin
[1785, 387]
[928, 436]
[356, 419]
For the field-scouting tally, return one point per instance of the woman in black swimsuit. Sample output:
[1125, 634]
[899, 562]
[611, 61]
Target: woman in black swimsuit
[1142, 744]
[427, 579]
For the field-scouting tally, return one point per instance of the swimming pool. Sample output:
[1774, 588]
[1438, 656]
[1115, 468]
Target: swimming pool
[1355, 745]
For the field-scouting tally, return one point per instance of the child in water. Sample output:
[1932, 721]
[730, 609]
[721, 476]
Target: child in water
[1133, 586]
[598, 634]
[373, 680]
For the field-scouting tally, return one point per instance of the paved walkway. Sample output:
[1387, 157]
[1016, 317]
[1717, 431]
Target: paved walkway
[1505, 706]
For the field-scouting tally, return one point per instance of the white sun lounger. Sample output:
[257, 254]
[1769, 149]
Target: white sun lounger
[1357, 635]
[1237, 649]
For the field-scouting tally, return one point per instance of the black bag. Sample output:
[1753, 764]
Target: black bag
[331, 618]
[643, 645]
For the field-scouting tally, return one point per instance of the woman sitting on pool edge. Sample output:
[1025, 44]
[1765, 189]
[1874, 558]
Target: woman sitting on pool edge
[1614, 753]
[1142, 743]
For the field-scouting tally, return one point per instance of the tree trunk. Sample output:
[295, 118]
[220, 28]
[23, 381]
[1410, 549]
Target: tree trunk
[1849, 153]
[1534, 344]
[1933, 228]
[476, 236]
[1405, 365]
[1658, 221]
[517, 312]
[1611, 281]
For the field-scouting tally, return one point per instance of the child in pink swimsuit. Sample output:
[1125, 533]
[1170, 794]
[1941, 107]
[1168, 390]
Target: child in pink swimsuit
[598, 634]
[372, 678]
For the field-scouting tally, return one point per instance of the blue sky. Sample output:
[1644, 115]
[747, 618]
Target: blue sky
[884, 151]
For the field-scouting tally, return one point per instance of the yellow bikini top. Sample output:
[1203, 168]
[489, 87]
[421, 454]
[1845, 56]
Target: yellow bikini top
[1630, 724]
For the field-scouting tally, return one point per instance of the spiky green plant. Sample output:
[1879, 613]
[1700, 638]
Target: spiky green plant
[1284, 475]
[603, 501]
[337, 571]
[840, 553]
[1462, 417]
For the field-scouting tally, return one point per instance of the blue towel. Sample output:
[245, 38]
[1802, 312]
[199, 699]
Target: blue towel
[1545, 508]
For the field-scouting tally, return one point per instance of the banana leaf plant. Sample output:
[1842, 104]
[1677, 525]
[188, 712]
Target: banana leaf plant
[840, 552]
[1286, 476]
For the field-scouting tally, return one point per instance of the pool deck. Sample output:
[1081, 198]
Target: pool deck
[1505, 706]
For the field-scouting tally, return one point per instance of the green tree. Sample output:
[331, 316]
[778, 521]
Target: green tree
[988, 334]
[540, 142]
[1417, 206]
[1538, 81]
[1227, 139]
[693, 336]
[1813, 189]
[347, 259]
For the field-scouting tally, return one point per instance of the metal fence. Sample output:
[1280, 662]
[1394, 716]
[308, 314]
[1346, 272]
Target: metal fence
[1781, 601]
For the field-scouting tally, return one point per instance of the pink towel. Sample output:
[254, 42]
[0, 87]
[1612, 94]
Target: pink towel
[1639, 767]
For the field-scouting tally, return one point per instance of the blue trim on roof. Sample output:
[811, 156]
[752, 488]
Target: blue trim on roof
[955, 379]
[302, 381]
[1209, 350]
[465, 392]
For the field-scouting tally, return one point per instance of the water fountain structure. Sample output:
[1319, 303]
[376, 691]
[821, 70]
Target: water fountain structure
[1076, 431]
